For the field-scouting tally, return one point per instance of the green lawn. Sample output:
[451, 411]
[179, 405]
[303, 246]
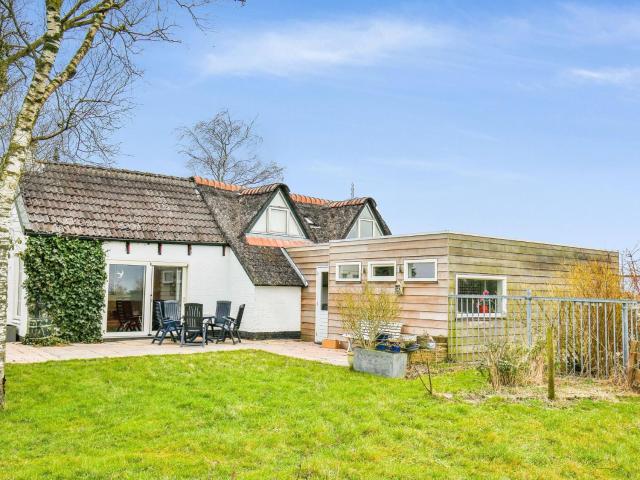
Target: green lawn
[249, 414]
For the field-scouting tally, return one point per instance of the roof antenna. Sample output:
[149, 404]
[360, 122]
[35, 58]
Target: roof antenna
[353, 190]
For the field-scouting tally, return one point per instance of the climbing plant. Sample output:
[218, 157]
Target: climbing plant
[65, 281]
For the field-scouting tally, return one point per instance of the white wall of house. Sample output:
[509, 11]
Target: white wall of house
[212, 276]
[16, 302]
[276, 306]
[209, 276]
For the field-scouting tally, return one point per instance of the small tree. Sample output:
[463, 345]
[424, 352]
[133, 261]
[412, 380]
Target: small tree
[364, 314]
[225, 149]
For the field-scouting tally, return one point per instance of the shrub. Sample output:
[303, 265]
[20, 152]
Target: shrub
[365, 313]
[509, 365]
[65, 282]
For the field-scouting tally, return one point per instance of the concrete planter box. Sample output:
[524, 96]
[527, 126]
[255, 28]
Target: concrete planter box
[385, 364]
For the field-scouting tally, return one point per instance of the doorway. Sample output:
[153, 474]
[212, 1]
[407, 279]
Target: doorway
[322, 304]
[167, 286]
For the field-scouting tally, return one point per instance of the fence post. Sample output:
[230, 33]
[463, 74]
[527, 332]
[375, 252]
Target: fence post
[529, 327]
[625, 333]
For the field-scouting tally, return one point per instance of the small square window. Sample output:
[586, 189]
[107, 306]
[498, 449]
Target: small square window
[421, 270]
[277, 220]
[348, 272]
[477, 295]
[382, 271]
[366, 228]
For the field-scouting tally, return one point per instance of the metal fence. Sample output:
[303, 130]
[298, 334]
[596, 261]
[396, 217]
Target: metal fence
[591, 335]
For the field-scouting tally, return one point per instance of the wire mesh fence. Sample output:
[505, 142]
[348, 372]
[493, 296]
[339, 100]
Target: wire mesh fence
[591, 336]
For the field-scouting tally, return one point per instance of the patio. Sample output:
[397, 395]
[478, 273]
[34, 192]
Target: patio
[19, 353]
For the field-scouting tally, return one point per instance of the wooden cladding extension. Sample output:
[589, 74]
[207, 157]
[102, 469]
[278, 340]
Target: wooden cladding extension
[424, 305]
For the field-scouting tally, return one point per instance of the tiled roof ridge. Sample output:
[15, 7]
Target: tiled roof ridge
[296, 197]
[349, 202]
[299, 198]
[217, 184]
[106, 168]
[270, 187]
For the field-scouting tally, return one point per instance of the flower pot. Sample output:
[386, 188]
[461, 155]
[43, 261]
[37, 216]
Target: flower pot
[483, 308]
[385, 364]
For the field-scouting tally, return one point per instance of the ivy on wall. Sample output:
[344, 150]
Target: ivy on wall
[65, 280]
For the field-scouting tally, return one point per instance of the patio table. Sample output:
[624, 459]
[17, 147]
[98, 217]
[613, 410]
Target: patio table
[210, 319]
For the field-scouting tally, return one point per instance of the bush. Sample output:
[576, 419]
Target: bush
[65, 282]
[510, 365]
[364, 314]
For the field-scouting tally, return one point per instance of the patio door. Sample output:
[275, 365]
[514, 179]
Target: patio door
[322, 304]
[126, 300]
[167, 286]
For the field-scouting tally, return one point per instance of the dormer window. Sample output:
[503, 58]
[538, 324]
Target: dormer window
[365, 226]
[277, 219]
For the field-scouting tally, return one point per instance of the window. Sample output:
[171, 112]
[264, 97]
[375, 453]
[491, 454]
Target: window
[382, 271]
[324, 293]
[421, 270]
[481, 285]
[18, 293]
[365, 227]
[348, 272]
[277, 220]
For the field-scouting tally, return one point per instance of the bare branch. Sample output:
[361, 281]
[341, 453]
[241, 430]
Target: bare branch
[225, 149]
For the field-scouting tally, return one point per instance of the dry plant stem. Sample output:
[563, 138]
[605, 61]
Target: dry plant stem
[551, 384]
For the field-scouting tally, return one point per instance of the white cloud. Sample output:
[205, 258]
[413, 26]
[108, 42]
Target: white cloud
[314, 46]
[607, 76]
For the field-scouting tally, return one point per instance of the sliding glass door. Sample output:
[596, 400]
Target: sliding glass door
[167, 287]
[126, 299]
[132, 289]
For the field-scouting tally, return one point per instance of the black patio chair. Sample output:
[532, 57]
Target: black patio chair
[167, 325]
[231, 327]
[193, 325]
[171, 309]
[128, 321]
[223, 310]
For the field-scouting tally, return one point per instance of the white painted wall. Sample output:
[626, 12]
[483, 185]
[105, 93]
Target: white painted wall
[210, 277]
[206, 267]
[15, 293]
[277, 310]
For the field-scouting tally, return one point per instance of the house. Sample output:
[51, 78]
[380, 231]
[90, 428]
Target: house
[287, 256]
[425, 269]
[184, 239]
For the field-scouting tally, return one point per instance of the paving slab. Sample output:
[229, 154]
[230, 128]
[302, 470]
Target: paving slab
[19, 353]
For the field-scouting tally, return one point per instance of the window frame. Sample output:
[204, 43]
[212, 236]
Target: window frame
[479, 276]
[421, 260]
[373, 227]
[373, 278]
[286, 221]
[352, 280]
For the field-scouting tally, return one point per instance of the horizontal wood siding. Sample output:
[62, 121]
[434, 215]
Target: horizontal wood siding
[308, 259]
[538, 267]
[423, 307]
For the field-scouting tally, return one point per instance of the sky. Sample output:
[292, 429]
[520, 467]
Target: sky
[512, 119]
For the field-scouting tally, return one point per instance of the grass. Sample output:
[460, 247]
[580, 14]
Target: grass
[255, 415]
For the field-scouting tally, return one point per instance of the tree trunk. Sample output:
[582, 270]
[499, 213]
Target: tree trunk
[18, 154]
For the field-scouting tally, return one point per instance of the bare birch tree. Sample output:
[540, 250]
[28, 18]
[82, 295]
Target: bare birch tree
[225, 149]
[65, 71]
